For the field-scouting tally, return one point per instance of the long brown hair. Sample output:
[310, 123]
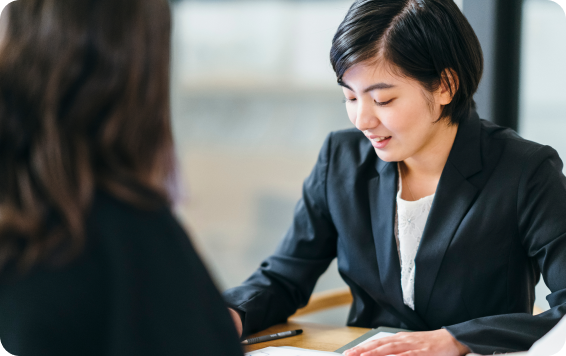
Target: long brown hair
[84, 105]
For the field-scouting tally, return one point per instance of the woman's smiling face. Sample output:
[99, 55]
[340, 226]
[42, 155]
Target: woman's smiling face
[395, 113]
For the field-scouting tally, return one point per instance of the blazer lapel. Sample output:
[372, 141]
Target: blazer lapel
[383, 192]
[454, 197]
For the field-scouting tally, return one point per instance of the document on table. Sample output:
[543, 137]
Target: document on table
[288, 351]
[295, 351]
[379, 335]
[375, 337]
[373, 334]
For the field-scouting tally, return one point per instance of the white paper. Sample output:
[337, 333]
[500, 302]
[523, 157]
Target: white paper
[318, 353]
[553, 343]
[379, 335]
[288, 351]
[295, 351]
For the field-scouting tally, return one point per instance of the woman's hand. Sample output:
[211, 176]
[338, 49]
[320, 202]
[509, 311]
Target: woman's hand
[237, 321]
[428, 343]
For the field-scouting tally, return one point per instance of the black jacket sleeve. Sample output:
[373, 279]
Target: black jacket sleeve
[285, 280]
[541, 213]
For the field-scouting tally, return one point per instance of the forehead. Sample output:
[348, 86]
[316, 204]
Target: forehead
[374, 72]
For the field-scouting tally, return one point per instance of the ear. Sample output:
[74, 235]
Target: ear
[449, 84]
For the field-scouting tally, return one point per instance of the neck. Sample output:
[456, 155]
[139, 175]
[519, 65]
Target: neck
[430, 161]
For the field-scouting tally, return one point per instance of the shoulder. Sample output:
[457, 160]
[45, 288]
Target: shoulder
[109, 214]
[514, 147]
[152, 260]
[145, 234]
[105, 204]
[137, 235]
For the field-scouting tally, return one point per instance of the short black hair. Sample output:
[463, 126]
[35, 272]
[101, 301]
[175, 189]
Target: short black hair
[422, 38]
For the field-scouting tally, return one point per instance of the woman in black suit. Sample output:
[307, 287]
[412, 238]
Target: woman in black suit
[441, 222]
[92, 260]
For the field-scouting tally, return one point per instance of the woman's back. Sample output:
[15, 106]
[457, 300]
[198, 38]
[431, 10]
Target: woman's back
[92, 261]
[138, 289]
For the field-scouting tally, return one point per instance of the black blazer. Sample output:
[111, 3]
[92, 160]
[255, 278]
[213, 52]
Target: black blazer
[138, 289]
[498, 219]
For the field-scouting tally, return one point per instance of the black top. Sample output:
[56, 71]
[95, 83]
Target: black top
[497, 221]
[138, 289]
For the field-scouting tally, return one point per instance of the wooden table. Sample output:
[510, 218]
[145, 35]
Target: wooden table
[315, 336]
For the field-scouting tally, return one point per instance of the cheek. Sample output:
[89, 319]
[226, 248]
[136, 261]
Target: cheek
[351, 109]
[396, 121]
[406, 120]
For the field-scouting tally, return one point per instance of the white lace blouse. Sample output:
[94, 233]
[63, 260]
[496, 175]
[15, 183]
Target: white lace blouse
[410, 221]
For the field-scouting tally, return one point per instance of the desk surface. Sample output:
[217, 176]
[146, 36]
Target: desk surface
[315, 336]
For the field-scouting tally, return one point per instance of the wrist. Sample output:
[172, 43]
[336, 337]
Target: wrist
[461, 348]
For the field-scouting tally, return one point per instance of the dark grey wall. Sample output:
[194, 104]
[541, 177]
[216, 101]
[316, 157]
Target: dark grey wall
[498, 26]
[481, 15]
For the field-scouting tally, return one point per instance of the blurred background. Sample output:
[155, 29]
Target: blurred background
[254, 96]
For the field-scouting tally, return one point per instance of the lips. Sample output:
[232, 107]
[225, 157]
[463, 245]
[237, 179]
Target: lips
[379, 141]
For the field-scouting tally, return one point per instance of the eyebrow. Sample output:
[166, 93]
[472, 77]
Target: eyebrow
[370, 88]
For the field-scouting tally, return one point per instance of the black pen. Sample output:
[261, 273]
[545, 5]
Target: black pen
[264, 338]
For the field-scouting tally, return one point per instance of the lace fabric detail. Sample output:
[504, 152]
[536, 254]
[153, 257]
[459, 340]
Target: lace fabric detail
[410, 220]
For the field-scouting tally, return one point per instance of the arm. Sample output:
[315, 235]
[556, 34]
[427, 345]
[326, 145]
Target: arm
[284, 281]
[541, 210]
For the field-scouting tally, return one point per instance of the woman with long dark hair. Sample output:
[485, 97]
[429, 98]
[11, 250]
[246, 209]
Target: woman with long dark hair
[441, 222]
[92, 261]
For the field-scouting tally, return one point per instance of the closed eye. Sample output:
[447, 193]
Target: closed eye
[349, 100]
[383, 103]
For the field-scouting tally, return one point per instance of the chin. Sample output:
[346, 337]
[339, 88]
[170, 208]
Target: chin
[386, 156]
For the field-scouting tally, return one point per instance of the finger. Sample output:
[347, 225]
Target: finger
[370, 345]
[393, 348]
[353, 352]
[358, 350]
[412, 353]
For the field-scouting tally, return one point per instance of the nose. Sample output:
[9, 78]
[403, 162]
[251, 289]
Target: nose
[366, 117]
